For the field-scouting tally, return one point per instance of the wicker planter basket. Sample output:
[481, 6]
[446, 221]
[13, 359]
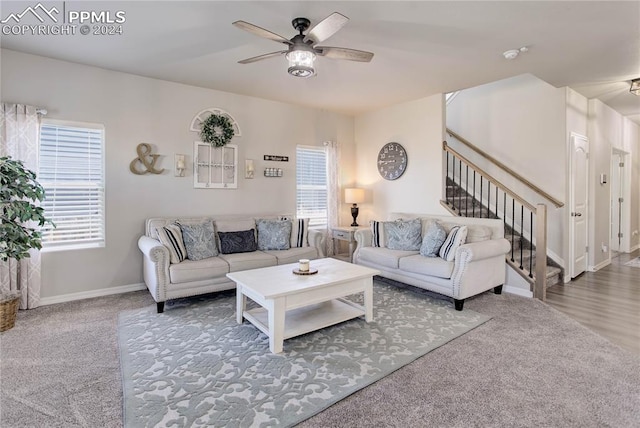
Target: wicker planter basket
[9, 303]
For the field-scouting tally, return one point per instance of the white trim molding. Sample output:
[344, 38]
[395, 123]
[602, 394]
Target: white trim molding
[91, 294]
[518, 291]
[600, 265]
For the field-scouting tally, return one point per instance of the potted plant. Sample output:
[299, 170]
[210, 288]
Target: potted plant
[19, 191]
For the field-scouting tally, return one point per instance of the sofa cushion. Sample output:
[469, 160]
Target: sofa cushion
[405, 235]
[477, 233]
[198, 270]
[378, 235]
[456, 237]
[244, 261]
[383, 256]
[243, 241]
[273, 234]
[432, 266]
[199, 240]
[292, 255]
[433, 239]
[234, 225]
[171, 237]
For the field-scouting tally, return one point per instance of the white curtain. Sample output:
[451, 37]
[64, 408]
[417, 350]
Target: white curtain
[333, 191]
[19, 128]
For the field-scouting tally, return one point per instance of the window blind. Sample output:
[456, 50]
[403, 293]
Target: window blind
[72, 173]
[311, 185]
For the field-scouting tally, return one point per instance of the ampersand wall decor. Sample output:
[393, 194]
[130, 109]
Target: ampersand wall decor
[146, 159]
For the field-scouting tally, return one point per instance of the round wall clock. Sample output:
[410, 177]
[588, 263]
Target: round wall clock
[392, 161]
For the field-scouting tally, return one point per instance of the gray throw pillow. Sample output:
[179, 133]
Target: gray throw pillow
[433, 239]
[403, 235]
[274, 234]
[199, 240]
[243, 241]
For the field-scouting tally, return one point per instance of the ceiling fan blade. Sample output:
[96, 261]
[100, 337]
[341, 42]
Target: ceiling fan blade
[327, 27]
[261, 57]
[261, 32]
[344, 53]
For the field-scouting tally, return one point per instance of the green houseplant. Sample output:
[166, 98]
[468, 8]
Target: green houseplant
[19, 192]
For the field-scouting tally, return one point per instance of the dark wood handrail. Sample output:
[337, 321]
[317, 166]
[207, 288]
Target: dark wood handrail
[529, 184]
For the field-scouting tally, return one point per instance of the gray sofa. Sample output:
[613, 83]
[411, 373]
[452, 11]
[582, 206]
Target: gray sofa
[478, 266]
[166, 280]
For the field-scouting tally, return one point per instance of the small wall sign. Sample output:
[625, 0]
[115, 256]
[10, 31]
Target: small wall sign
[276, 158]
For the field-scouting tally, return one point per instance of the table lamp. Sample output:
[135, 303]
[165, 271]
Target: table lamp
[354, 196]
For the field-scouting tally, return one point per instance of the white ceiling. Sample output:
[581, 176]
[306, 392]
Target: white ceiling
[421, 47]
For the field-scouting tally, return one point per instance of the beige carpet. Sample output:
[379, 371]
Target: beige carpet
[528, 366]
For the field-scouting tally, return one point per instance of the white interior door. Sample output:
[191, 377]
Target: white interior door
[579, 191]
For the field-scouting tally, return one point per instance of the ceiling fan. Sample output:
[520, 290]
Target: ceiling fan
[302, 48]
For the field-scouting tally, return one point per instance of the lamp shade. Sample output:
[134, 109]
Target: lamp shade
[353, 196]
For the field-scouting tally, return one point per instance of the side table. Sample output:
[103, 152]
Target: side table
[346, 233]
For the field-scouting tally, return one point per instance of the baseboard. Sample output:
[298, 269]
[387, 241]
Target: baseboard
[600, 265]
[519, 291]
[567, 278]
[91, 294]
[635, 247]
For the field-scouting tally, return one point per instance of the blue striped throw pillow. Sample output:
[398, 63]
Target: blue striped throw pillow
[377, 230]
[171, 237]
[457, 236]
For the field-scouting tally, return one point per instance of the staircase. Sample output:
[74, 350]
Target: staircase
[523, 253]
[469, 191]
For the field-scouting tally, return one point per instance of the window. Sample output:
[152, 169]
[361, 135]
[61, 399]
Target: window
[72, 174]
[311, 185]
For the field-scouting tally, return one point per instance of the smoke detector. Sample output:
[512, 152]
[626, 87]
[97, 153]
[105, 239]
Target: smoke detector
[513, 53]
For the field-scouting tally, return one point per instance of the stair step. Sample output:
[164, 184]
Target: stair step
[463, 205]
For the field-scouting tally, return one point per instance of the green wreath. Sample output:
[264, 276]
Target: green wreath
[217, 130]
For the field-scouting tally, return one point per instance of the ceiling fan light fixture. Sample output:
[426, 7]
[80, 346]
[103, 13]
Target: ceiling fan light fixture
[635, 87]
[301, 63]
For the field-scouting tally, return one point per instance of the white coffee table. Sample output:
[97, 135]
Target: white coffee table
[292, 304]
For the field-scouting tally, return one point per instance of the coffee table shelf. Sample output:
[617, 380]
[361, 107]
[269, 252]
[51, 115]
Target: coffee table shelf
[308, 318]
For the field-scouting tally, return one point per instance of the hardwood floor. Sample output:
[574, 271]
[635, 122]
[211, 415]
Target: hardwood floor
[607, 301]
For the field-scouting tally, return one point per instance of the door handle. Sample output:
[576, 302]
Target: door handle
[576, 214]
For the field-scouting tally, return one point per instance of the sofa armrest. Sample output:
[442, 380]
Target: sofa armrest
[483, 250]
[317, 239]
[155, 267]
[363, 239]
[478, 267]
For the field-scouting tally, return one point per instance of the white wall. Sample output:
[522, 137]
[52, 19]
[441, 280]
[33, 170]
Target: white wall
[631, 134]
[609, 130]
[138, 110]
[604, 129]
[417, 125]
[522, 122]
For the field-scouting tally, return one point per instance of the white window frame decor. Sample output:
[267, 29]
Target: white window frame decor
[72, 173]
[215, 167]
[311, 192]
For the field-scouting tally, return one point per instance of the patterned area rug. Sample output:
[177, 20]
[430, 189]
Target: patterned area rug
[633, 262]
[193, 365]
